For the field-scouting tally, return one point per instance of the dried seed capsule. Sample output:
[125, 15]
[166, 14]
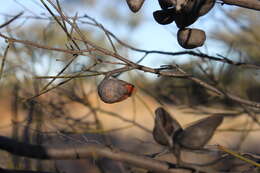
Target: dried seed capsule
[206, 7]
[197, 135]
[112, 90]
[165, 127]
[165, 4]
[191, 38]
[183, 20]
[191, 11]
[164, 17]
[167, 131]
[135, 5]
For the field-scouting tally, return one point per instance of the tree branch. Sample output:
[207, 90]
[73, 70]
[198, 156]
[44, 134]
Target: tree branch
[11, 20]
[19, 171]
[250, 4]
[84, 151]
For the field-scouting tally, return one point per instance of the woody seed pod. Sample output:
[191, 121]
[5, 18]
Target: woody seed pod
[191, 38]
[112, 90]
[167, 131]
[164, 17]
[183, 20]
[135, 5]
[193, 137]
[197, 135]
[166, 3]
[165, 127]
[206, 7]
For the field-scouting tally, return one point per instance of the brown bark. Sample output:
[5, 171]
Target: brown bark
[251, 4]
[84, 151]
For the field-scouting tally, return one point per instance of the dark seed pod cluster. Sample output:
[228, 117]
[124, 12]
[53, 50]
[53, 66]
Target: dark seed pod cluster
[191, 38]
[112, 90]
[188, 13]
[183, 13]
[193, 137]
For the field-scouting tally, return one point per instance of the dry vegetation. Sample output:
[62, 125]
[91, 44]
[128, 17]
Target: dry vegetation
[49, 121]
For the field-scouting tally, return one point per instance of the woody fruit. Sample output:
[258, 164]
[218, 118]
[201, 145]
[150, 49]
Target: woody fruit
[190, 38]
[168, 132]
[135, 5]
[112, 90]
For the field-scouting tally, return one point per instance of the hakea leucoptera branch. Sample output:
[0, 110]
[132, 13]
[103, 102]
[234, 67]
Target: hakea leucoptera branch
[183, 13]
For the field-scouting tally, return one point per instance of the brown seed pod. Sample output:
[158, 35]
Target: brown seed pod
[135, 5]
[183, 20]
[197, 135]
[164, 17]
[167, 131]
[206, 7]
[193, 137]
[112, 90]
[191, 38]
[191, 11]
[188, 14]
[165, 127]
[165, 4]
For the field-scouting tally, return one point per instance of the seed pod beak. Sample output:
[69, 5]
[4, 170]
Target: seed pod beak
[135, 5]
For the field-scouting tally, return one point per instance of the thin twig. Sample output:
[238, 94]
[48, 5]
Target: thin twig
[11, 20]
[238, 156]
[3, 60]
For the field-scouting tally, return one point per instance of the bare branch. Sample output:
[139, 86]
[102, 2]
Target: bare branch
[33, 44]
[19, 171]
[251, 4]
[81, 152]
[11, 20]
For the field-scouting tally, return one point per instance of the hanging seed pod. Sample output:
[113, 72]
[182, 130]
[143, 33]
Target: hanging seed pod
[188, 14]
[165, 4]
[197, 135]
[191, 11]
[135, 5]
[112, 90]
[183, 20]
[206, 7]
[191, 38]
[164, 17]
[190, 6]
[165, 127]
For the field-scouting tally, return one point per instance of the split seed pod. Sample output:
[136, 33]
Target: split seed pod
[193, 137]
[112, 90]
[191, 11]
[191, 38]
[165, 4]
[164, 17]
[183, 20]
[206, 7]
[197, 135]
[164, 127]
[135, 5]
